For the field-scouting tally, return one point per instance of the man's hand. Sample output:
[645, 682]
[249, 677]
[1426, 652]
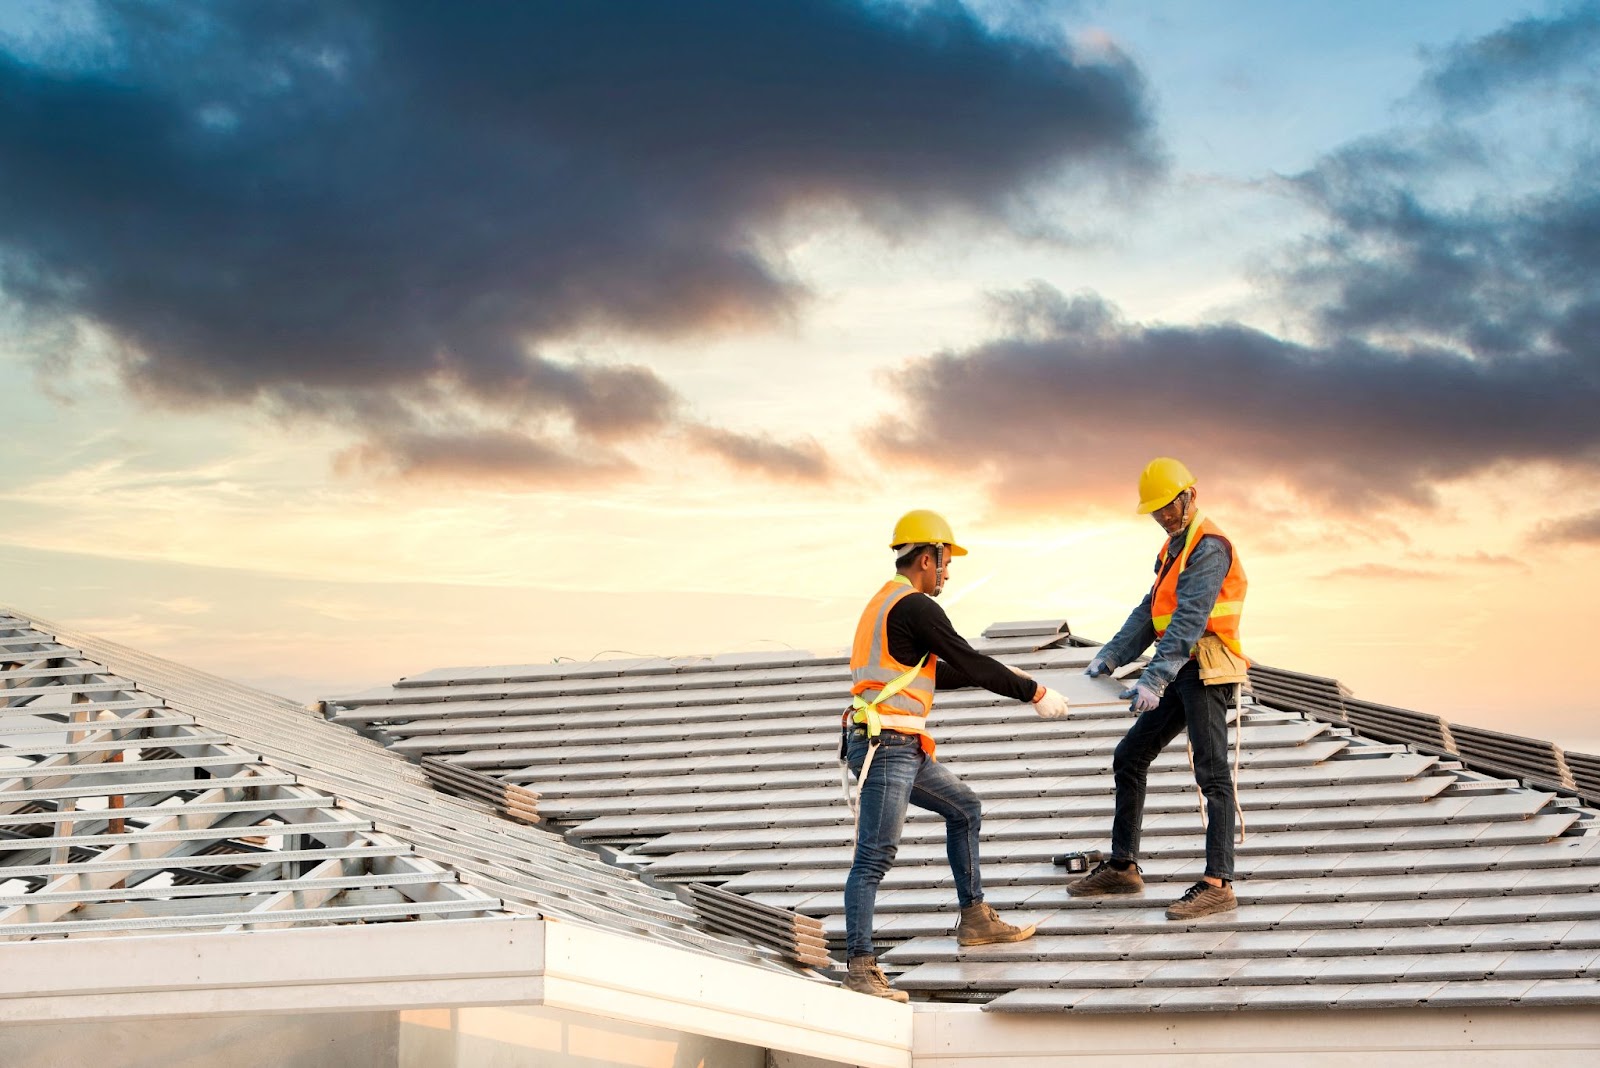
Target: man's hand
[1019, 672]
[1051, 706]
[1141, 696]
[1099, 666]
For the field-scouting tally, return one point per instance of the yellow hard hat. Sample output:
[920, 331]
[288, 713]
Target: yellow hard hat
[1160, 483]
[924, 527]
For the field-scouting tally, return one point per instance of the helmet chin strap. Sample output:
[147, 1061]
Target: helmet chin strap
[938, 569]
[1184, 516]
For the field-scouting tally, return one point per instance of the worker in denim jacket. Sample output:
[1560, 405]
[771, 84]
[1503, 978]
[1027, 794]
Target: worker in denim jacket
[1198, 596]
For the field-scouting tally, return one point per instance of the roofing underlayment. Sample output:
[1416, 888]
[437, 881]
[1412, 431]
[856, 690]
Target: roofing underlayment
[1374, 874]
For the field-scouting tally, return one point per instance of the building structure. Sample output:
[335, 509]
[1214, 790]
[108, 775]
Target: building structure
[360, 882]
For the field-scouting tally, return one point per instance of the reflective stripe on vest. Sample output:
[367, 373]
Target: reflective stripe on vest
[1224, 618]
[873, 668]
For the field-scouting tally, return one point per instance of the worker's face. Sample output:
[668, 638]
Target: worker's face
[931, 576]
[1173, 518]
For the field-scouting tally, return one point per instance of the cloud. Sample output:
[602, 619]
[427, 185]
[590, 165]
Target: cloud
[1072, 406]
[803, 461]
[1529, 51]
[1478, 559]
[1581, 529]
[1449, 324]
[1381, 573]
[341, 209]
[493, 457]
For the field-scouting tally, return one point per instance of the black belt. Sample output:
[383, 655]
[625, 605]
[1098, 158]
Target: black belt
[887, 733]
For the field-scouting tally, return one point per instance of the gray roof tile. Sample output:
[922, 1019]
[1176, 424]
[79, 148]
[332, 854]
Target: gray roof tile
[1262, 943]
[1370, 875]
[1546, 964]
[1128, 999]
[1170, 944]
[1413, 911]
[1318, 996]
[1582, 934]
[1528, 935]
[1273, 971]
[1554, 992]
[1386, 995]
[1204, 999]
[1330, 914]
[1049, 1000]
[1454, 967]
[983, 975]
[1432, 939]
[1381, 968]
[1470, 995]
[1201, 971]
[1110, 973]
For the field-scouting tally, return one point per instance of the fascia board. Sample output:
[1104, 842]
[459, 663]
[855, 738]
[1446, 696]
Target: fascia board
[964, 1036]
[375, 967]
[371, 996]
[371, 966]
[625, 978]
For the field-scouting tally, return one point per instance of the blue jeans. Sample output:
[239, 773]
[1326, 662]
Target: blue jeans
[901, 773]
[1202, 710]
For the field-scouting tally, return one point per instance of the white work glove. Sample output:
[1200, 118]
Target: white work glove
[1018, 672]
[1051, 706]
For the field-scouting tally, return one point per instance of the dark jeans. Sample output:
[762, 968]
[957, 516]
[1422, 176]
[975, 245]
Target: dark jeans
[1189, 705]
[901, 772]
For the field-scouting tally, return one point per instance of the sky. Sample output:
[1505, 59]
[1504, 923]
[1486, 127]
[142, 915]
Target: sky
[343, 340]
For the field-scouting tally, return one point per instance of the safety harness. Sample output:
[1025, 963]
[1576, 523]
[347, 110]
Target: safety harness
[866, 713]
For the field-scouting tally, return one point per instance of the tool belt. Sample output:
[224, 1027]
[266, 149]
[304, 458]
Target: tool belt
[1219, 665]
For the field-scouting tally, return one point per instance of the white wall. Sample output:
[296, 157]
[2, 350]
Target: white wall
[315, 1040]
[540, 1037]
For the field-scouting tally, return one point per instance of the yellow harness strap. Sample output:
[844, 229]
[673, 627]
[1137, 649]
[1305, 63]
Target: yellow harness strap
[866, 712]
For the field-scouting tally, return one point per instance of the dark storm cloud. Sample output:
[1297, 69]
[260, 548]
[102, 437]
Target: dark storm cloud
[1449, 335]
[266, 201]
[1077, 403]
[1529, 51]
[1495, 280]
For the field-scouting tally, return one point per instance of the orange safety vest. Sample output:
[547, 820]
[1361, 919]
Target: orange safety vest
[873, 668]
[1224, 619]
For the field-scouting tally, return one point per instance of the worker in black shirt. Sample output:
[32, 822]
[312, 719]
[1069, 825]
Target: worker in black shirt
[904, 650]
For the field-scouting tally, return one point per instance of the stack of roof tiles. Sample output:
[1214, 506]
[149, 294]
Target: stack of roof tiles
[1373, 874]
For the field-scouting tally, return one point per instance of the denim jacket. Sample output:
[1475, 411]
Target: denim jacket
[1198, 587]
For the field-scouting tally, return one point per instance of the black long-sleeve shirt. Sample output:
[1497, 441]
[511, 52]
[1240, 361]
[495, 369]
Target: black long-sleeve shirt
[918, 626]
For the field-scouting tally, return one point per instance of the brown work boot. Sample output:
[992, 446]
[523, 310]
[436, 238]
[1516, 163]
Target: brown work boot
[981, 927]
[1203, 899]
[1108, 879]
[865, 977]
